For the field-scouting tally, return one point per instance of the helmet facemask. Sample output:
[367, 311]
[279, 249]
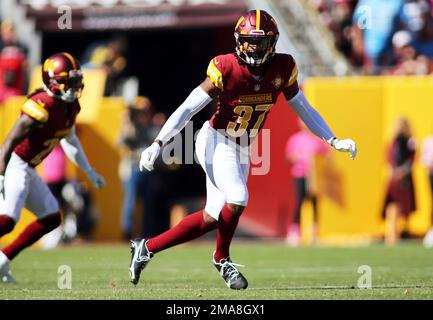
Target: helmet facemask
[255, 49]
[68, 88]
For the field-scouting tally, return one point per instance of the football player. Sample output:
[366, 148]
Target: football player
[47, 118]
[246, 84]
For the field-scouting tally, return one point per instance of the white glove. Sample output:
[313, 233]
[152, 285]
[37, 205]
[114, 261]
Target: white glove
[345, 145]
[148, 157]
[2, 184]
[97, 180]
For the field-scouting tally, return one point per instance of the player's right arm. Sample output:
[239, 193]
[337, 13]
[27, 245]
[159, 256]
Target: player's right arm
[196, 101]
[22, 128]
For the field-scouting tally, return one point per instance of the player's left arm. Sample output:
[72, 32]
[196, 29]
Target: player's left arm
[72, 147]
[314, 120]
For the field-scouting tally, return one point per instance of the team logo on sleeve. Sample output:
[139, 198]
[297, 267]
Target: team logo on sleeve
[277, 82]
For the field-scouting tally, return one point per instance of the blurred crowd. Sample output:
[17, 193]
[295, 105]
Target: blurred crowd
[13, 63]
[381, 36]
[378, 37]
[303, 149]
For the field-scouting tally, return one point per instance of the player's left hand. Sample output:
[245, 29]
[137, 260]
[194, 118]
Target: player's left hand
[2, 185]
[345, 145]
[97, 180]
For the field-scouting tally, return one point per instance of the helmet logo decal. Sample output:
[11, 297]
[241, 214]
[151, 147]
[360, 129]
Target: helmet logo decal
[50, 66]
[257, 87]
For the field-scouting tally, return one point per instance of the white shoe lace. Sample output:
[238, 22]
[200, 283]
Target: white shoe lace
[232, 271]
[143, 258]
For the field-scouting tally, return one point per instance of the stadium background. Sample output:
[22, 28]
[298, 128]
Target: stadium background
[170, 47]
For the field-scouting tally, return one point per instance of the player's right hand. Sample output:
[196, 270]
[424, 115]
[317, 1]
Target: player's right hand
[148, 156]
[2, 184]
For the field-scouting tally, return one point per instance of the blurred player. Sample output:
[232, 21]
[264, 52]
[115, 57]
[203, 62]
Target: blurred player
[47, 118]
[246, 84]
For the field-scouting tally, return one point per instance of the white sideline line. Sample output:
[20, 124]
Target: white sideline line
[386, 286]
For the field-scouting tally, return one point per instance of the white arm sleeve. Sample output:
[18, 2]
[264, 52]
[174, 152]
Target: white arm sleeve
[72, 147]
[311, 117]
[196, 101]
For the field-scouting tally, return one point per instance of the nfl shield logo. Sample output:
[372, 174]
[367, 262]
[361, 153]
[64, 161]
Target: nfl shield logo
[257, 87]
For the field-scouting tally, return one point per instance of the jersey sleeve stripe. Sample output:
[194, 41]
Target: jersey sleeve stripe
[293, 76]
[35, 111]
[215, 75]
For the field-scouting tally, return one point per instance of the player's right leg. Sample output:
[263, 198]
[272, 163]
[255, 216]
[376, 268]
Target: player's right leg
[191, 227]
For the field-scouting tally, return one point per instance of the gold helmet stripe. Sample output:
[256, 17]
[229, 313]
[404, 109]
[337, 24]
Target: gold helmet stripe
[239, 22]
[71, 58]
[257, 19]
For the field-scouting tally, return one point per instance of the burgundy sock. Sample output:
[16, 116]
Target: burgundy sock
[189, 228]
[7, 224]
[32, 233]
[227, 224]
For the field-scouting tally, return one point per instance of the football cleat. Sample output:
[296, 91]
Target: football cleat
[140, 257]
[6, 274]
[230, 274]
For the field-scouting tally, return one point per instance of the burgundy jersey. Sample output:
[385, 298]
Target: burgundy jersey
[56, 117]
[244, 101]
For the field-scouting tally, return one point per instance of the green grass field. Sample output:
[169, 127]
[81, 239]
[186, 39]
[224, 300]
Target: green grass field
[274, 271]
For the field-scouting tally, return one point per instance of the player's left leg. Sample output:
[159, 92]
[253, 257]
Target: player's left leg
[231, 168]
[230, 173]
[227, 224]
